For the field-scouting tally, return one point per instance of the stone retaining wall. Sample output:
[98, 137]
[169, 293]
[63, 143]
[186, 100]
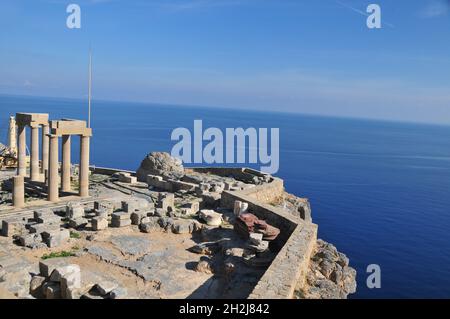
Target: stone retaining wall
[287, 271]
[108, 171]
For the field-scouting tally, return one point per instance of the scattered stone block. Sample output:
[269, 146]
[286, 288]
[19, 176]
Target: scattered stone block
[52, 290]
[217, 188]
[118, 293]
[160, 212]
[261, 247]
[55, 238]
[40, 228]
[151, 225]
[134, 204]
[204, 266]
[36, 286]
[255, 238]
[90, 215]
[182, 227]
[30, 223]
[16, 281]
[65, 234]
[165, 222]
[103, 212]
[99, 223]
[190, 209]
[47, 233]
[166, 201]
[211, 199]
[186, 211]
[129, 206]
[47, 266]
[53, 241]
[29, 240]
[64, 271]
[78, 222]
[237, 207]
[244, 208]
[74, 211]
[71, 283]
[92, 294]
[49, 219]
[194, 206]
[137, 216]
[155, 178]
[12, 227]
[198, 191]
[211, 217]
[39, 213]
[127, 178]
[104, 206]
[121, 215]
[196, 226]
[120, 222]
[105, 287]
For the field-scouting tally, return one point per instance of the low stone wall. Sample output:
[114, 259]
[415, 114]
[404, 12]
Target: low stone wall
[266, 193]
[108, 171]
[288, 270]
[240, 173]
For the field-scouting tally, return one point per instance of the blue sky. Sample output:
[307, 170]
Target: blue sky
[315, 57]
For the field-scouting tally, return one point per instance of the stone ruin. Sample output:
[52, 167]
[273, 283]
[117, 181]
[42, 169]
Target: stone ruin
[176, 229]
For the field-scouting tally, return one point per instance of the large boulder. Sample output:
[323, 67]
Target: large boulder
[160, 163]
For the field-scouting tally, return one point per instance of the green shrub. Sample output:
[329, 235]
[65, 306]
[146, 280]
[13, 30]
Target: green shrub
[75, 235]
[58, 254]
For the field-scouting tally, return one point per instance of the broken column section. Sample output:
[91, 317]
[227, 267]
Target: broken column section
[18, 191]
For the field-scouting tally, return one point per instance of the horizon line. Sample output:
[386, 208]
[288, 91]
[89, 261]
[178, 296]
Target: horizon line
[242, 109]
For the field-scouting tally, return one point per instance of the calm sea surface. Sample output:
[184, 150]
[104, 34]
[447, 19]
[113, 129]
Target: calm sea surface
[380, 191]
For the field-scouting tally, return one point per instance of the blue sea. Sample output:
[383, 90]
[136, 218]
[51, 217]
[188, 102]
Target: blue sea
[380, 191]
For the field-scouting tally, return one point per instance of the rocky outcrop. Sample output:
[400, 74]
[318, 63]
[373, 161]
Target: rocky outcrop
[329, 276]
[160, 163]
[296, 206]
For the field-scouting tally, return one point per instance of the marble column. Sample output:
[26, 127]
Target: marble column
[45, 141]
[34, 159]
[53, 178]
[18, 191]
[84, 166]
[66, 157]
[21, 152]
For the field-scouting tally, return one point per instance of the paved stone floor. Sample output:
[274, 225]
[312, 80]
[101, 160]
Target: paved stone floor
[149, 265]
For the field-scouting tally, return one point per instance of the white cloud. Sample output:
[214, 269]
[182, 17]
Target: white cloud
[435, 9]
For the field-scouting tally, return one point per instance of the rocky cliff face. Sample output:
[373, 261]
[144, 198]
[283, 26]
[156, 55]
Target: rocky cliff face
[329, 276]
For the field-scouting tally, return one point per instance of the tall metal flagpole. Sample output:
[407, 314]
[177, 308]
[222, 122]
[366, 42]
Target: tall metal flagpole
[90, 85]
